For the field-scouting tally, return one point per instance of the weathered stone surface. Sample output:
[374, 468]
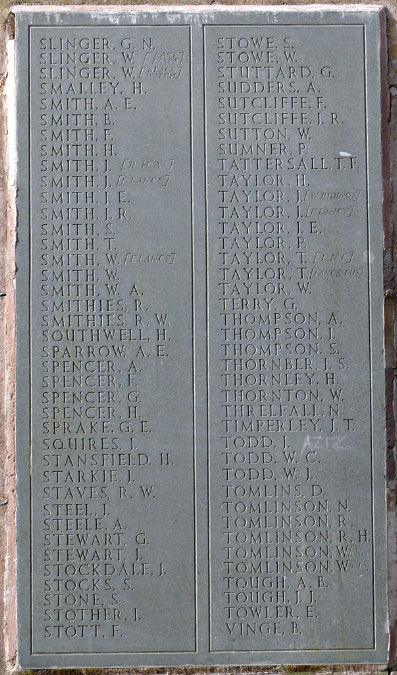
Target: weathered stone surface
[125, 457]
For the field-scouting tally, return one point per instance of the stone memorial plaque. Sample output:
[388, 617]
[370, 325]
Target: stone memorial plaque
[200, 390]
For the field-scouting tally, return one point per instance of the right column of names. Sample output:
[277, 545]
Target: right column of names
[290, 454]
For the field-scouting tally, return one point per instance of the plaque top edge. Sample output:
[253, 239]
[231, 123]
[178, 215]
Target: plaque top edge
[195, 8]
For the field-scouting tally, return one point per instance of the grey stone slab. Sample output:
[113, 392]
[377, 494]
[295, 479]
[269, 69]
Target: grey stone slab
[200, 397]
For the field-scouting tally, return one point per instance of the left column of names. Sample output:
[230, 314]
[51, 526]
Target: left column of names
[112, 490]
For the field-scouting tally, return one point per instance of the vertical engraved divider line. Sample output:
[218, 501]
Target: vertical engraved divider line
[193, 345]
[29, 92]
[364, 28]
[207, 335]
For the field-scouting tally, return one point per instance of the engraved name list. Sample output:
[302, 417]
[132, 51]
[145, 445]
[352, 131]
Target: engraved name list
[199, 350]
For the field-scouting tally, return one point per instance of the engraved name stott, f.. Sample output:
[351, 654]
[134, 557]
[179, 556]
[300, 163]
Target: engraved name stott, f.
[200, 424]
